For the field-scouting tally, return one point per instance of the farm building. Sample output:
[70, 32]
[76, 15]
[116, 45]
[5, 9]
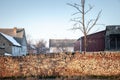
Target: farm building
[13, 41]
[106, 40]
[31, 49]
[61, 45]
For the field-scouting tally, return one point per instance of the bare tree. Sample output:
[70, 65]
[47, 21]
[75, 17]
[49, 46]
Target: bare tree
[81, 24]
[29, 42]
[41, 46]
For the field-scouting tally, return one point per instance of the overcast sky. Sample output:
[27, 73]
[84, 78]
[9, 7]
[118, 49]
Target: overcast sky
[50, 19]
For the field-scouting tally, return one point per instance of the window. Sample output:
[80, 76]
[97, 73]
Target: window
[115, 41]
[112, 43]
[3, 44]
[10, 44]
[118, 42]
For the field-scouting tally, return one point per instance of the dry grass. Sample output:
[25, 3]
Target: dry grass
[61, 64]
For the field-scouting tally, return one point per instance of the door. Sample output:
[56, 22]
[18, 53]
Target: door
[115, 41]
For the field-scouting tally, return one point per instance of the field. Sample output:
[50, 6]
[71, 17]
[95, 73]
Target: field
[68, 66]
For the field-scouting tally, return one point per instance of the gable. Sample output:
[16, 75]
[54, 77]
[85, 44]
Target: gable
[10, 39]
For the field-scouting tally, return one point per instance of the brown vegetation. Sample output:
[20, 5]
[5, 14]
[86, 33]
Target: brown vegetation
[62, 64]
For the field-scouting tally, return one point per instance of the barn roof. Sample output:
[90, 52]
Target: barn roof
[93, 34]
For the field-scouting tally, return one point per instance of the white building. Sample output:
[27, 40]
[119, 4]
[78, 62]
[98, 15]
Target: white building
[61, 45]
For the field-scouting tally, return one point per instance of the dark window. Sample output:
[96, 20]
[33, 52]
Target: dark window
[112, 43]
[3, 44]
[10, 44]
[118, 42]
[115, 41]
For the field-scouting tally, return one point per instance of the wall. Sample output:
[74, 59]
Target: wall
[6, 44]
[16, 51]
[99, 64]
[61, 49]
[112, 30]
[77, 46]
[95, 42]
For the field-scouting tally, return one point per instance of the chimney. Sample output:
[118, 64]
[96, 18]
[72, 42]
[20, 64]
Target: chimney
[15, 30]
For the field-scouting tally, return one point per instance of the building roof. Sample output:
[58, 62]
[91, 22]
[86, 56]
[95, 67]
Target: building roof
[93, 34]
[112, 29]
[17, 33]
[14, 32]
[61, 42]
[10, 39]
[32, 46]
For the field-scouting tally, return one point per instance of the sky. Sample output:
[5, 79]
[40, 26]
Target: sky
[50, 19]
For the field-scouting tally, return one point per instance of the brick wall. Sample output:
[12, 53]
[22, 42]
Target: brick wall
[107, 64]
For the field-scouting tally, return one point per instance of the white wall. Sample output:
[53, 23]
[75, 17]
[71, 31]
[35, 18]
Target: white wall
[24, 50]
[16, 51]
[19, 51]
[56, 50]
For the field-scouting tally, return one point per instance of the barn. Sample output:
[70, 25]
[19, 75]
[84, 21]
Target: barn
[106, 40]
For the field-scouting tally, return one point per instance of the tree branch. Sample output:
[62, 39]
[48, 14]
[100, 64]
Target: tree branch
[76, 28]
[77, 18]
[94, 23]
[77, 4]
[90, 8]
[75, 13]
[76, 7]
[78, 21]
[87, 26]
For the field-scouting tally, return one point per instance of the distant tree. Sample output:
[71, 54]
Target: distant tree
[81, 24]
[29, 42]
[41, 46]
[29, 39]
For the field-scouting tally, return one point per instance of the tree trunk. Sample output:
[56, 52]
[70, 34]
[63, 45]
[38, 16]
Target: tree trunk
[85, 43]
[83, 24]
